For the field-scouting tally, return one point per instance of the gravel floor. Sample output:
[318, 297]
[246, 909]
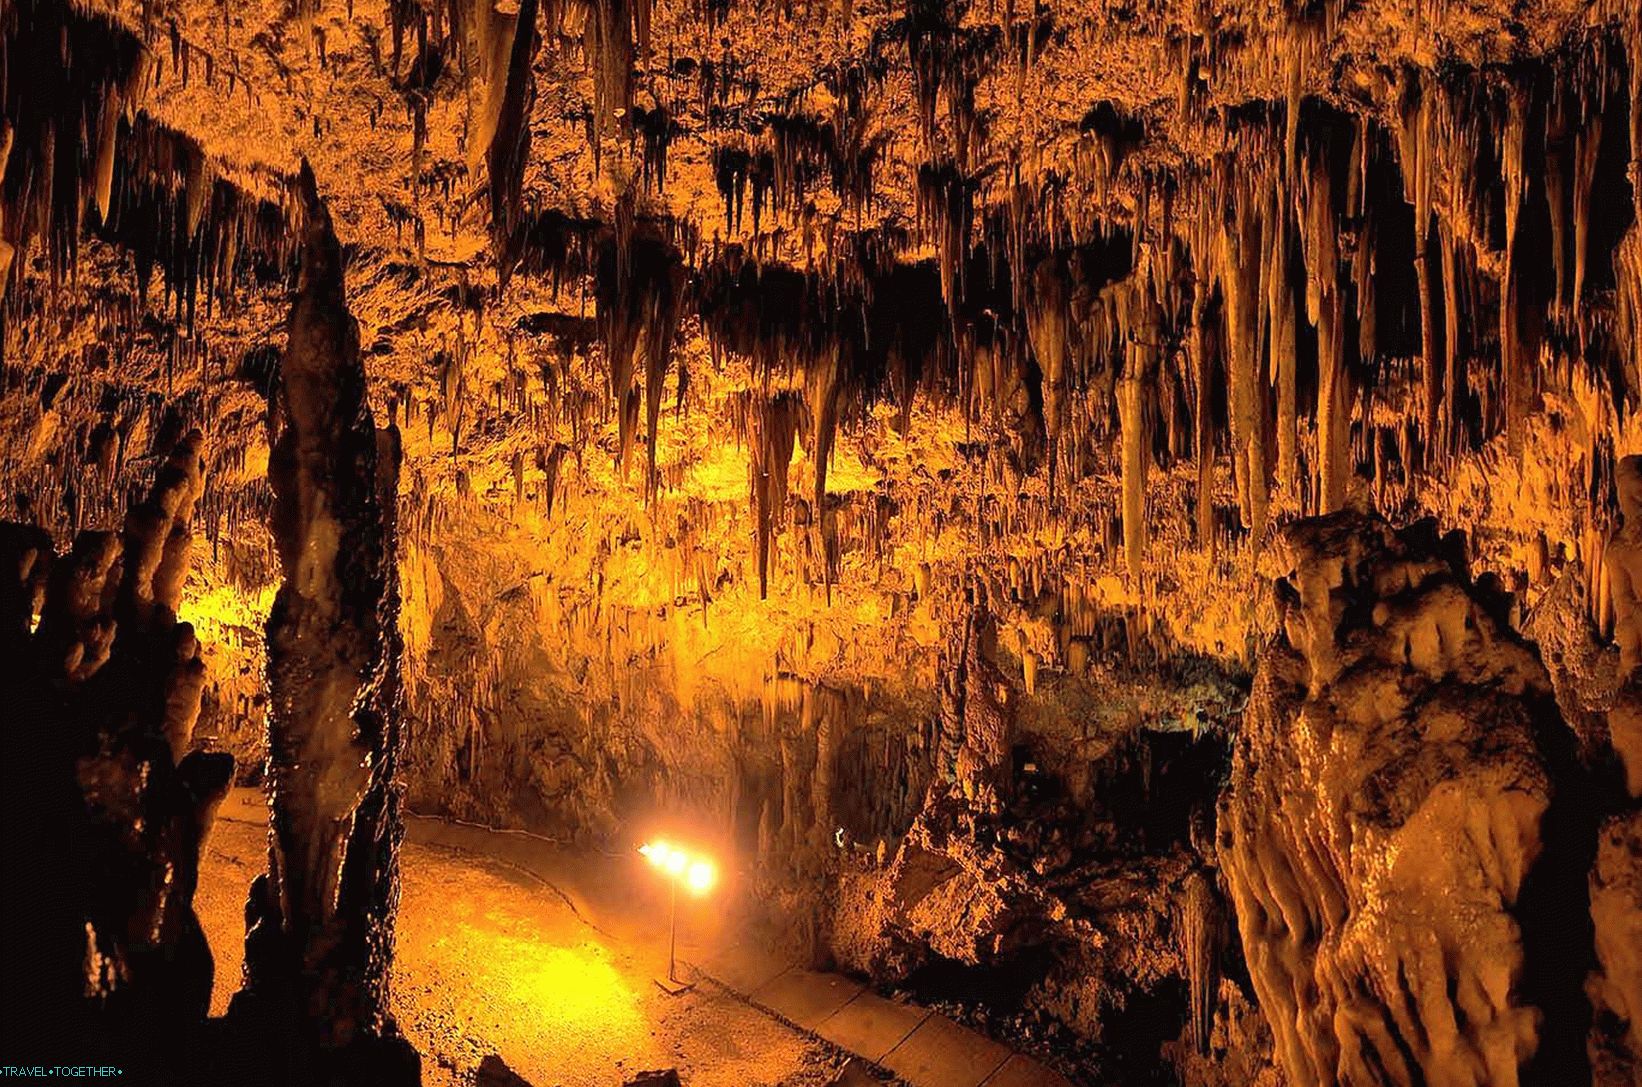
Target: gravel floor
[488, 962]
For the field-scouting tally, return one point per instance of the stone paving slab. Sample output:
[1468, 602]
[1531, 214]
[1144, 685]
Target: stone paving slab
[743, 968]
[855, 1074]
[805, 997]
[1022, 1071]
[871, 1026]
[940, 1052]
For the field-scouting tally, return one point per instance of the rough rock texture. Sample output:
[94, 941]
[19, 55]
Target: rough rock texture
[1098, 935]
[320, 922]
[1400, 834]
[1616, 988]
[977, 707]
[106, 809]
[1599, 687]
[1078, 300]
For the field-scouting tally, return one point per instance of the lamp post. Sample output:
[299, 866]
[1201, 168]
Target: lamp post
[698, 874]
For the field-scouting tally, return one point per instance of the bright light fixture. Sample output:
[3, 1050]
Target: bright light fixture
[700, 877]
[696, 873]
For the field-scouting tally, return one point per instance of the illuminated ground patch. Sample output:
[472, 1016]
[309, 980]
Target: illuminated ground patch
[490, 962]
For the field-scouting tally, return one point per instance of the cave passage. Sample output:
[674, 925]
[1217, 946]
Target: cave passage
[676, 543]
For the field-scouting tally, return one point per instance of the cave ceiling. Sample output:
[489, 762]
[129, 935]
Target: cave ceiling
[724, 336]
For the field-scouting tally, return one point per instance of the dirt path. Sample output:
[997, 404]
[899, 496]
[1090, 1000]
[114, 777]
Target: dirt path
[489, 961]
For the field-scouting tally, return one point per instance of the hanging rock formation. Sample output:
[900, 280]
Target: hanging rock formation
[320, 936]
[1401, 833]
[1066, 307]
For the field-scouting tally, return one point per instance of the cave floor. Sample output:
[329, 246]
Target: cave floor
[547, 956]
[491, 960]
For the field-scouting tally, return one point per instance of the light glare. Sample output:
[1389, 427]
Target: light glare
[700, 877]
[698, 874]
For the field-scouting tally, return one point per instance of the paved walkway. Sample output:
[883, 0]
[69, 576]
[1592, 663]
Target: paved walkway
[919, 1046]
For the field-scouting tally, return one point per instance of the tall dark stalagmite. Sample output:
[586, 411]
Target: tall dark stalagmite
[321, 939]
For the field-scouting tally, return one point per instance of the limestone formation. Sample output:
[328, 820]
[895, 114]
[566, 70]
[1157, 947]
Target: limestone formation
[1402, 834]
[320, 936]
[108, 802]
[860, 431]
[977, 710]
[1615, 987]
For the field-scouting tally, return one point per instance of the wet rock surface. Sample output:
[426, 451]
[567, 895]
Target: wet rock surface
[1404, 833]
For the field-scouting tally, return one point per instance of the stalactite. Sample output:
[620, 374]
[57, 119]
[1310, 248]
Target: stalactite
[1203, 425]
[1144, 340]
[1282, 325]
[770, 425]
[1558, 167]
[945, 212]
[1047, 321]
[1513, 364]
[509, 147]
[947, 59]
[1414, 136]
[1238, 248]
[607, 41]
[1587, 144]
[1451, 379]
[1325, 305]
[639, 288]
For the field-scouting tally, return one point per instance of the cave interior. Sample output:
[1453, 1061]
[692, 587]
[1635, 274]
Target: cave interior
[955, 543]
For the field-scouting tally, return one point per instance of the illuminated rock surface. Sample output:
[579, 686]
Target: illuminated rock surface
[865, 434]
[1401, 834]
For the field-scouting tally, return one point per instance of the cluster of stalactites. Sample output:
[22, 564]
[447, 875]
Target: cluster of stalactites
[1270, 294]
[769, 425]
[1290, 274]
[77, 153]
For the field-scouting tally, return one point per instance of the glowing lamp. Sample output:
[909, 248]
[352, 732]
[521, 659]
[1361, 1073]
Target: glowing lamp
[700, 877]
[696, 874]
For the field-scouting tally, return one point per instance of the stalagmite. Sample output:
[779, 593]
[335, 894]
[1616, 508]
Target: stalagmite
[1387, 942]
[107, 956]
[321, 921]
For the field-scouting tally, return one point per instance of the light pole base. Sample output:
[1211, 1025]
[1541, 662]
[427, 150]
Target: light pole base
[674, 987]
